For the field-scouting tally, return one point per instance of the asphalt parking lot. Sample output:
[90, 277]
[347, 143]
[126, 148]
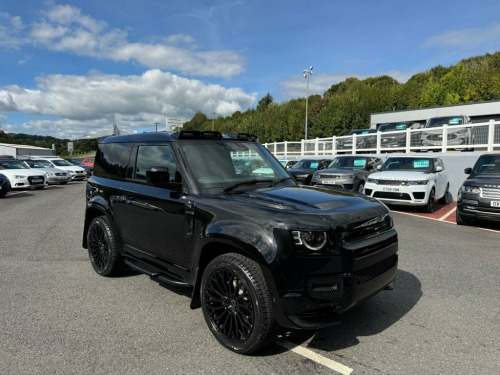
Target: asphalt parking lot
[59, 317]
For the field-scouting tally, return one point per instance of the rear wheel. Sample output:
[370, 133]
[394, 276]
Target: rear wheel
[429, 207]
[444, 198]
[103, 248]
[236, 303]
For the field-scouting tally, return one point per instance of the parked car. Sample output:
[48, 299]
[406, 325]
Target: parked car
[396, 137]
[78, 162]
[77, 173]
[347, 172]
[89, 160]
[288, 163]
[21, 176]
[4, 185]
[410, 181]
[345, 142]
[257, 253]
[479, 196]
[304, 169]
[457, 136]
[53, 175]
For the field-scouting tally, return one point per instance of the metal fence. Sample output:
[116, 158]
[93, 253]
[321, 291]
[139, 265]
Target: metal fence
[469, 137]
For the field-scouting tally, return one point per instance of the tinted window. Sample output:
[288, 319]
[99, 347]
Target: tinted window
[111, 160]
[150, 156]
[437, 122]
[487, 165]
[409, 164]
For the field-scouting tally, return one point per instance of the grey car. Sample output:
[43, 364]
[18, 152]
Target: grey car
[53, 175]
[347, 172]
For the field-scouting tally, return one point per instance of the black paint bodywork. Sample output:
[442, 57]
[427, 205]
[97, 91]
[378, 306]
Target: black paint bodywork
[175, 232]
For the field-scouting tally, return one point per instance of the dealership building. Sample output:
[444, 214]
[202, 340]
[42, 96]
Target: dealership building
[477, 112]
[24, 150]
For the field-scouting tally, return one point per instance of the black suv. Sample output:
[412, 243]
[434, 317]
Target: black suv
[479, 196]
[258, 252]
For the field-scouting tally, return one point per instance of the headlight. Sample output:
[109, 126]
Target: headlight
[19, 177]
[50, 174]
[314, 241]
[301, 176]
[418, 182]
[372, 180]
[471, 190]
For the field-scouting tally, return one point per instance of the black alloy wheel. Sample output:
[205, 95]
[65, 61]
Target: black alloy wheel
[103, 249]
[236, 304]
[430, 206]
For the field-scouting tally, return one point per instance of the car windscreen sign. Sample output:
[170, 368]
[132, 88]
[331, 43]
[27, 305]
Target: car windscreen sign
[359, 162]
[400, 127]
[314, 165]
[454, 121]
[421, 164]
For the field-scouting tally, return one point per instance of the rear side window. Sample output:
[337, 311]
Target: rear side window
[111, 160]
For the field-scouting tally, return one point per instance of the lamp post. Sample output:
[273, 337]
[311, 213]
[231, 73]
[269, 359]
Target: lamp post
[213, 116]
[307, 73]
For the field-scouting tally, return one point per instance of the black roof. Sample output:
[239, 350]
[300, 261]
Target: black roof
[169, 137]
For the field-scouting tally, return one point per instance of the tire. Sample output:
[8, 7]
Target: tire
[39, 187]
[429, 207]
[3, 193]
[237, 305]
[361, 187]
[103, 248]
[462, 220]
[64, 183]
[444, 198]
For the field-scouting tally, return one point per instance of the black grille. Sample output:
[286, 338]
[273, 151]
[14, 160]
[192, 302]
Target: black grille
[361, 230]
[419, 195]
[389, 195]
[325, 288]
[364, 275]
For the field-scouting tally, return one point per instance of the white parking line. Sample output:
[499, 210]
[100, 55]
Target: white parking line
[448, 213]
[309, 354]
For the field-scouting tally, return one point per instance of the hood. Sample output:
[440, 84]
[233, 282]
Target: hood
[72, 168]
[21, 172]
[401, 176]
[481, 181]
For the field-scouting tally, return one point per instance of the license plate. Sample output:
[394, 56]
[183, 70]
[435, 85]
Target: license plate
[329, 182]
[390, 189]
[495, 204]
[37, 181]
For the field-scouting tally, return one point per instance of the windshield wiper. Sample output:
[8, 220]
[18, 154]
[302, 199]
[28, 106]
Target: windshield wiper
[273, 182]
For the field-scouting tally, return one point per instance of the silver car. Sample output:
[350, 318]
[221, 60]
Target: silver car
[457, 135]
[347, 172]
[53, 175]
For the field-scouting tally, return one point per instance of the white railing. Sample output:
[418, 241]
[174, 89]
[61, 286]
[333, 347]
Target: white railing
[468, 137]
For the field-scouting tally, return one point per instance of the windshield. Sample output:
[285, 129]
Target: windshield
[306, 164]
[39, 164]
[62, 163]
[438, 122]
[348, 162]
[221, 164]
[12, 164]
[392, 126]
[425, 165]
[487, 165]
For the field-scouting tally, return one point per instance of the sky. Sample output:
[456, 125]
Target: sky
[68, 69]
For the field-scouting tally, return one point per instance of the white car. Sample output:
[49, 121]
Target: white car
[53, 175]
[77, 173]
[21, 176]
[410, 181]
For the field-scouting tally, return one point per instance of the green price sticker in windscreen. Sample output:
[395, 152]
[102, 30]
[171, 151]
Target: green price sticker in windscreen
[421, 164]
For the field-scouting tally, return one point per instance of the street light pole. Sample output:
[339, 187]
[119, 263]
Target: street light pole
[307, 73]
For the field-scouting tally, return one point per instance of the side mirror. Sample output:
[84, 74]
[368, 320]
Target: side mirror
[439, 168]
[468, 170]
[160, 177]
[379, 167]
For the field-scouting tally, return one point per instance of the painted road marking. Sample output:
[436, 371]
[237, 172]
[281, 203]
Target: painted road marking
[448, 213]
[309, 354]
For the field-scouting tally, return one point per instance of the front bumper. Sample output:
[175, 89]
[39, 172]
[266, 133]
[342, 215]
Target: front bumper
[28, 182]
[414, 195]
[313, 292]
[478, 208]
[58, 179]
[336, 183]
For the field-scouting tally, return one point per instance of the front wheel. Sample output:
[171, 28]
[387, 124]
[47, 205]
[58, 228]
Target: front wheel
[103, 248]
[429, 207]
[361, 187]
[236, 303]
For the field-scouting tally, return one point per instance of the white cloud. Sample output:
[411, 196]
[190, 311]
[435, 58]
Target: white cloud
[64, 28]
[90, 102]
[466, 38]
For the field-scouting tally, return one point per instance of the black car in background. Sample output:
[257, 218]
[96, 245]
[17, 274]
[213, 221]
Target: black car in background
[4, 185]
[304, 169]
[257, 252]
[479, 196]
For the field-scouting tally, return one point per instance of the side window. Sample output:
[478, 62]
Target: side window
[159, 156]
[111, 160]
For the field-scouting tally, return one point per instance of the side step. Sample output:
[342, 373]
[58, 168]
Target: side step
[160, 276]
